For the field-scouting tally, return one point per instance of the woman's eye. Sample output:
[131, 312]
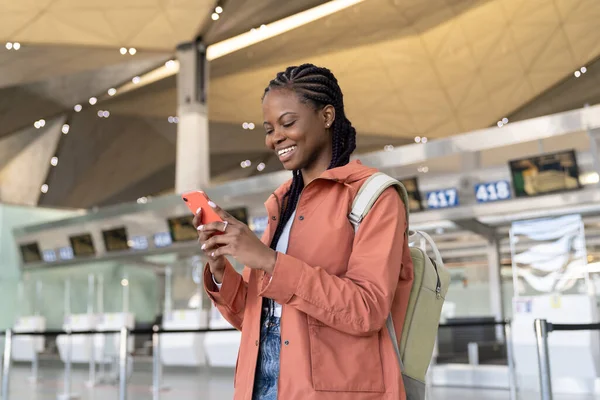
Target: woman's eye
[268, 131]
[289, 124]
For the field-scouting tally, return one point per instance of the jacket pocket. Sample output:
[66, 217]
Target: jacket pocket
[344, 363]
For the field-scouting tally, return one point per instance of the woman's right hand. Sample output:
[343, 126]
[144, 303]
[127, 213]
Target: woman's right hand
[216, 264]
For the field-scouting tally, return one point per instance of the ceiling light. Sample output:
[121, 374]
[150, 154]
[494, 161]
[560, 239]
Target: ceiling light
[136, 80]
[577, 74]
[132, 51]
[171, 120]
[245, 125]
[124, 282]
[42, 122]
[219, 9]
[112, 91]
[251, 126]
[9, 46]
[100, 113]
[246, 164]
[65, 128]
[263, 27]
[423, 169]
[417, 139]
[589, 178]
[123, 51]
[37, 125]
[142, 200]
[500, 124]
[93, 100]
[276, 28]
[215, 16]
[78, 108]
[424, 139]
[260, 167]
[170, 64]
[44, 188]
[388, 147]
[54, 161]
[16, 45]
[505, 120]
[583, 70]
[106, 114]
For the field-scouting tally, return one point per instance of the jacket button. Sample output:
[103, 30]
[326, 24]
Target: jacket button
[287, 342]
[301, 218]
[256, 343]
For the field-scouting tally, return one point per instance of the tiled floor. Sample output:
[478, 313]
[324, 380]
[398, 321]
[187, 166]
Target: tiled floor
[203, 385]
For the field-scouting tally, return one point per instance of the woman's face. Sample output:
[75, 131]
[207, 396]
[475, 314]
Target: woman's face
[299, 135]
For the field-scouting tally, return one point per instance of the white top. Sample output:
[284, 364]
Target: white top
[282, 246]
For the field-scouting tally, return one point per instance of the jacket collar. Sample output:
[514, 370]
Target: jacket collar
[352, 172]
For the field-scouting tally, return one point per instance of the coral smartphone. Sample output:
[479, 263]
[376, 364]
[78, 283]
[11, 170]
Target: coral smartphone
[196, 200]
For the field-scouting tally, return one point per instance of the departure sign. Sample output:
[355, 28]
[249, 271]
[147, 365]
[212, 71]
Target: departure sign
[65, 253]
[492, 191]
[162, 239]
[445, 198]
[49, 255]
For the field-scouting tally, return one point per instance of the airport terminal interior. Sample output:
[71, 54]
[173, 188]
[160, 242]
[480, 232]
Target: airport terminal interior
[487, 111]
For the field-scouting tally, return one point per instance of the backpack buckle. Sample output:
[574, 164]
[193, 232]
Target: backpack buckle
[355, 219]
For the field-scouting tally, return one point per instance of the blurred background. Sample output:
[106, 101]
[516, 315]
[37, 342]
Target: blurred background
[487, 110]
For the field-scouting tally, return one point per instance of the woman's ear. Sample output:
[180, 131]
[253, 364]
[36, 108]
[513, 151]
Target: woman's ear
[328, 115]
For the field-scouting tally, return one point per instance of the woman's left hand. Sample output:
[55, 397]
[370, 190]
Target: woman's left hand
[239, 242]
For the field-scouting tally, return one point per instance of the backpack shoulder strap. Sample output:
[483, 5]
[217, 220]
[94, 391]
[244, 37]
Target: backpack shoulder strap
[362, 204]
[370, 192]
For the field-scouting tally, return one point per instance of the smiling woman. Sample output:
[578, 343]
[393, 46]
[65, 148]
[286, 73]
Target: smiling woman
[314, 296]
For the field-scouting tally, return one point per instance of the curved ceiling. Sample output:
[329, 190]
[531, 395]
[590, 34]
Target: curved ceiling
[423, 68]
[147, 24]
[407, 67]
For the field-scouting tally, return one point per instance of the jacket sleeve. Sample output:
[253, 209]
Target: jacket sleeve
[230, 299]
[358, 302]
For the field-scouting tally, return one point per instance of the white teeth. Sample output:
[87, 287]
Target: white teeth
[286, 150]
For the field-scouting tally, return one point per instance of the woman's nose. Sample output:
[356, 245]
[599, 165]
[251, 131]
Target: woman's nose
[277, 137]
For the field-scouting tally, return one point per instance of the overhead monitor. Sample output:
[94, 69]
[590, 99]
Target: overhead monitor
[82, 245]
[30, 252]
[414, 195]
[115, 239]
[240, 213]
[182, 229]
[543, 174]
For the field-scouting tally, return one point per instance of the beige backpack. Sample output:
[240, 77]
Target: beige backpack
[415, 348]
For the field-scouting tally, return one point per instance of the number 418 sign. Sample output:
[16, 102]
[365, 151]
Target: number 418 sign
[492, 191]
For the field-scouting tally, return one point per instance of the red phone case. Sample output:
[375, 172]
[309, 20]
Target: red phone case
[196, 200]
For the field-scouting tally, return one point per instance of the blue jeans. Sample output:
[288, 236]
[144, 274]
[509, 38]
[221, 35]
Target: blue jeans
[267, 366]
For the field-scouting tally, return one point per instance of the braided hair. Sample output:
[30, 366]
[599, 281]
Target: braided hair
[318, 88]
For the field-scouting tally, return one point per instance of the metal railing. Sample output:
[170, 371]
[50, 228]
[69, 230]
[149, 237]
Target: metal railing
[124, 333]
[542, 329]
[155, 333]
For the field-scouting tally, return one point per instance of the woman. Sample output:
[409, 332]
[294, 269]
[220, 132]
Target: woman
[314, 297]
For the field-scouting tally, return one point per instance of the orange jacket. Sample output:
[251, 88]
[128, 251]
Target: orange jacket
[336, 291]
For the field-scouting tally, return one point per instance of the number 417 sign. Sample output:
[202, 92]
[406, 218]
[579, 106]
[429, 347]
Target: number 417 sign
[492, 191]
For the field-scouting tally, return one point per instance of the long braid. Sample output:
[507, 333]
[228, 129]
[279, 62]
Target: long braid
[319, 87]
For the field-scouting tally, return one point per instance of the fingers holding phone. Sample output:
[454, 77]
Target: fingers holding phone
[216, 264]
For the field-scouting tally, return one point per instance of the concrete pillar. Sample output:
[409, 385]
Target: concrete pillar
[470, 164]
[25, 162]
[193, 154]
[495, 279]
